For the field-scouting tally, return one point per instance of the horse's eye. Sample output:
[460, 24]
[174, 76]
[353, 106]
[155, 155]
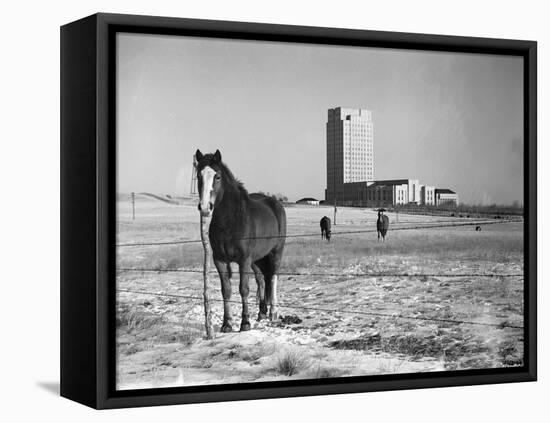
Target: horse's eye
[217, 177]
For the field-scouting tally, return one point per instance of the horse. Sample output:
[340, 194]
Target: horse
[247, 229]
[478, 228]
[325, 228]
[382, 224]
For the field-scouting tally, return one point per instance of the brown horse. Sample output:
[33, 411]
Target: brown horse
[325, 228]
[382, 224]
[249, 230]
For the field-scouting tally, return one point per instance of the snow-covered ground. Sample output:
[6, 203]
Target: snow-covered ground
[340, 317]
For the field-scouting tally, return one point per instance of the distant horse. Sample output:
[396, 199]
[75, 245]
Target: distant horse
[325, 228]
[382, 224]
[249, 230]
[478, 228]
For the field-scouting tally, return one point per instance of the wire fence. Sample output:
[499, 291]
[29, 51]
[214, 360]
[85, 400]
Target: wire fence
[502, 325]
[334, 233]
[340, 274]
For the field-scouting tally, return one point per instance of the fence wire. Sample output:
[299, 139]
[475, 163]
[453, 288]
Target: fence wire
[334, 233]
[348, 275]
[331, 310]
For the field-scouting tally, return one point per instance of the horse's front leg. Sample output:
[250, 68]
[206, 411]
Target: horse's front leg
[226, 293]
[244, 270]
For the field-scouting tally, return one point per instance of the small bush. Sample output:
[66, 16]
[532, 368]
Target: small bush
[290, 363]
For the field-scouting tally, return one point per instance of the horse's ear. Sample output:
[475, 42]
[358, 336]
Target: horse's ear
[198, 155]
[218, 156]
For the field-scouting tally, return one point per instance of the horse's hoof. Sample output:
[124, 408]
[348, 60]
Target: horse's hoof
[226, 328]
[262, 316]
[245, 326]
[273, 316]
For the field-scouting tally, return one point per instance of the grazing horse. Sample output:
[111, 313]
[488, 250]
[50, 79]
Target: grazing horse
[478, 228]
[249, 230]
[382, 224]
[325, 228]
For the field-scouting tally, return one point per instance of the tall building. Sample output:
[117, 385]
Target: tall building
[350, 168]
[350, 152]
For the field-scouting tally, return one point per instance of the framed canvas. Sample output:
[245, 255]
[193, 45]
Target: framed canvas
[258, 211]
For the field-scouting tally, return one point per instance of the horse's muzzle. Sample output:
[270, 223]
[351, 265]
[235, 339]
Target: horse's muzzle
[206, 211]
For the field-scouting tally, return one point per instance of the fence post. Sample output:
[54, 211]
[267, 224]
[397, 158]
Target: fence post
[133, 206]
[205, 225]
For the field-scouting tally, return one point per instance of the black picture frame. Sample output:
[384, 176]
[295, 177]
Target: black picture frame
[88, 209]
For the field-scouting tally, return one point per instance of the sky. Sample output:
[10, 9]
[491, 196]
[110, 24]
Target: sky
[451, 120]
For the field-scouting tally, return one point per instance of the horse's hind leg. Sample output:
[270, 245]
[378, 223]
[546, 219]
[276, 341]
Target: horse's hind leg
[223, 270]
[275, 261]
[274, 305]
[262, 314]
[244, 290]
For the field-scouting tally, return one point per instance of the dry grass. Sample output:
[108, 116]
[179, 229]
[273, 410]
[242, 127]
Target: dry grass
[132, 319]
[158, 326]
[429, 244]
[291, 362]
[455, 348]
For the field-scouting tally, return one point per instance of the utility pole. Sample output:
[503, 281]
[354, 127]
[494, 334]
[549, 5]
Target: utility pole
[193, 188]
[133, 206]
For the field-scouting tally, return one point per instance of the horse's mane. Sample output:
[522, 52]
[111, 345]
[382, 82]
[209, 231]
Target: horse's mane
[227, 175]
[230, 179]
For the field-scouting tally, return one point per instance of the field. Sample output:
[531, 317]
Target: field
[347, 307]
